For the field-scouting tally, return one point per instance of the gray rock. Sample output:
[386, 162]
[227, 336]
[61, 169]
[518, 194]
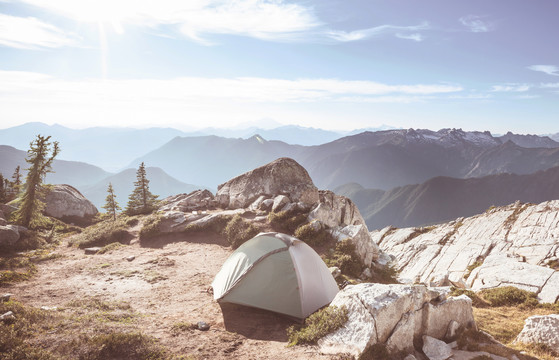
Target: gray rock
[49, 308]
[9, 235]
[410, 357]
[283, 176]
[366, 248]
[541, 329]
[436, 349]
[257, 203]
[452, 330]
[7, 317]
[196, 200]
[279, 202]
[266, 205]
[5, 297]
[335, 271]
[66, 203]
[91, 250]
[393, 315]
[336, 210]
[130, 258]
[203, 326]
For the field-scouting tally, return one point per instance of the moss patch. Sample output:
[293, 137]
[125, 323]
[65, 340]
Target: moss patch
[318, 325]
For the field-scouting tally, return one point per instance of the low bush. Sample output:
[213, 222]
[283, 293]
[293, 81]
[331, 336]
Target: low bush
[101, 234]
[376, 352]
[110, 247]
[150, 227]
[119, 345]
[287, 221]
[345, 258]
[312, 236]
[384, 275]
[476, 300]
[237, 231]
[317, 325]
[16, 268]
[509, 296]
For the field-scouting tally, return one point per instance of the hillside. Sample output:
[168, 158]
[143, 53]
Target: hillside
[73, 173]
[444, 198]
[160, 183]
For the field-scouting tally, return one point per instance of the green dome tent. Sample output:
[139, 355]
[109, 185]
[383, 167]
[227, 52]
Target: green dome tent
[276, 272]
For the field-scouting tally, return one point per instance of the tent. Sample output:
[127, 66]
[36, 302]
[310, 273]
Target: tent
[276, 272]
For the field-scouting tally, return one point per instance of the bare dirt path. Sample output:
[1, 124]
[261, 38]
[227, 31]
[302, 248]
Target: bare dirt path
[166, 285]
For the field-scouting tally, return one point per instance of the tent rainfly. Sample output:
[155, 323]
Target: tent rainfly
[276, 272]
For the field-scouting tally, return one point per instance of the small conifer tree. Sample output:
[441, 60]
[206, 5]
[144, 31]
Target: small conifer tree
[28, 213]
[141, 201]
[3, 190]
[16, 178]
[111, 205]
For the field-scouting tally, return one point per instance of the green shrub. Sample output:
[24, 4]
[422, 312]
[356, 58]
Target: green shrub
[118, 345]
[509, 296]
[345, 258]
[384, 275]
[101, 234]
[318, 325]
[312, 236]
[287, 221]
[15, 269]
[110, 247]
[237, 231]
[150, 228]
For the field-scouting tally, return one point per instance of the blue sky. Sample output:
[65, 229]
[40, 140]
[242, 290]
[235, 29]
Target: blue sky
[477, 64]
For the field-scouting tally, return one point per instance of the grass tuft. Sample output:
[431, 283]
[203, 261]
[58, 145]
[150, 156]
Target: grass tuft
[345, 258]
[102, 233]
[238, 231]
[317, 325]
[312, 236]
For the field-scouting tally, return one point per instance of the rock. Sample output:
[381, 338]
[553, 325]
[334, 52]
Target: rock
[257, 204]
[366, 274]
[542, 329]
[367, 250]
[336, 210]
[335, 271]
[7, 317]
[3, 221]
[471, 355]
[266, 205]
[9, 235]
[203, 326]
[279, 202]
[283, 176]
[291, 207]
[49, 308]
[92, 250]
[393, 315]
[440, 279]
[130, 258]
[512, 243]
[452, 330]
[7, 210]
[410, 357]
[5, 297]
[196, 200]
[436, 349]
[66, 203]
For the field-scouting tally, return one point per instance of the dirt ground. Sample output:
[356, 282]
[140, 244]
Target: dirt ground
[166, 285]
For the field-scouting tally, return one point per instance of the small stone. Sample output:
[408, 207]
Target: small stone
[410, 357]
[49, 308]
[130, 258]
[203, 326]
[335, 271]
[436, 349]
[7, 317]
[5, 297]
[91, 250]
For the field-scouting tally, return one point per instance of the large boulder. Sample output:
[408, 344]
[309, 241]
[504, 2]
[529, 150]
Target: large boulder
[66, 203]
[196, 200]
[541, 329]
[283, 176]
[336, 210]
[9, 235]
[394, 315]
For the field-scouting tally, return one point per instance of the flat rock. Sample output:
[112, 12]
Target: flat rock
[9, 235]
[91, 250]
[196, 200]
[436, 349]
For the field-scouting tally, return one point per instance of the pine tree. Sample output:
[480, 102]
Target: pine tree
[141, 201]
[16, 178]
[30, 203]
[3, 190]
[110, 202]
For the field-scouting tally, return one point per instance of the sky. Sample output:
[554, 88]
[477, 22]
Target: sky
[341, 65]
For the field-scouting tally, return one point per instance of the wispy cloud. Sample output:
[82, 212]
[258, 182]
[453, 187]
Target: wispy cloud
[414, 37]
[549, 85]
[31, 33]
[399, 31]
[475, 23]
[511, 88]
[548, 69]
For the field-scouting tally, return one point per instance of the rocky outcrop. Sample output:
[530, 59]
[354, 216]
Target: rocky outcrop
[283, 176]
[196, 200]
[541, 329]
[394, 315]
[66, 203]
[510, 245]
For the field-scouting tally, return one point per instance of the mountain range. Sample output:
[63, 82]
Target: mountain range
[443, 199]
